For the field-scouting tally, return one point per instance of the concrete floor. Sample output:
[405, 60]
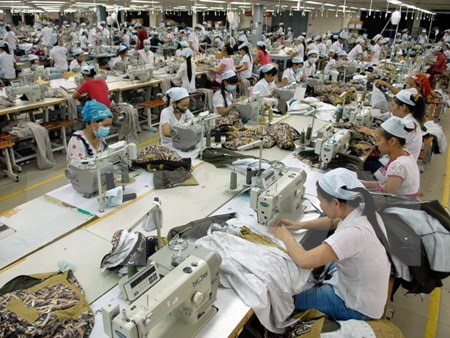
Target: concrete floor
[410, 312]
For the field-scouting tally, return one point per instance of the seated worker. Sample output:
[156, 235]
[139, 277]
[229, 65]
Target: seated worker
[78, 62]
[223, 102]
[145, 55]
[262, 57]
[356, 282]
[336, 62]
[410, 108]
[401, 176]
[185, 76]
[225, 64]
[95, 88]
[91, 140]
[266, 84]
[309, 69]
[118, 62]
[245, 67]
[7, 70]
[177, 113]
[293, 72]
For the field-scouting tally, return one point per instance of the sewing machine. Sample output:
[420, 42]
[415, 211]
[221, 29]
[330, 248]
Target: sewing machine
[172, 296]
[362, 116]
[33, 93]
[279, 195]
[284, 94]
[88, 176]
[186, 136]
[250, 108]
[27, 76]
[330, 142]
[40, 72]
[173, 66]
[139, 73]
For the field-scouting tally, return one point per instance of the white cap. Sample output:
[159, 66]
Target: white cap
[404, 30]
[102, 22]
[184, 43]
[177, 94]
[241, 38]
[77, 51]
[267, 68]
[123, 47]
[228, 74]
[297, 59]
[3, 44]
[342, 53]
[343, 35]
[318, 37]
[86, 70]
[146, 41]
[137, 25]
[300, 38]
[338, 183]
[359, 40]
[200, 26]
[405, 97]
[424, 30]
[335, 36]
[308, 40]
[187, 52]
[377, 37]
[281, 24]
[395, 126]
[242, 46]
[261, 44]
[313, 51]
[83, 24]
[32, 57]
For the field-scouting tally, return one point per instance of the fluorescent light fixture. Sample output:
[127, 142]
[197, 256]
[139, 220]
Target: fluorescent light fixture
[329, 5]
[313, 3]
[213, 1]
[238, 3]
[394, 2]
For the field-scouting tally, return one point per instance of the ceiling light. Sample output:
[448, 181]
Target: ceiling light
[329, 5]
[394, 2]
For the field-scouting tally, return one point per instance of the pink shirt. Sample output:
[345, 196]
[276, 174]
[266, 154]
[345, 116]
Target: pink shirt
[229, 65]
[264, 59]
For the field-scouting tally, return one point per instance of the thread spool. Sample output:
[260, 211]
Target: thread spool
[233, 180]
[208, 139]
[109, 180]
[150, 246]
[302, 137]
[217, 136]
[308, 133]
[124, 174]
[248, 176]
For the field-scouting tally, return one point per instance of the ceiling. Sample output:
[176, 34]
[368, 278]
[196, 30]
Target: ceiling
[204, 5]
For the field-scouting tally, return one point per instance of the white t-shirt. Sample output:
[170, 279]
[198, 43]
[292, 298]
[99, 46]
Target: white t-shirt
[336, 47]
[331, 65]
[291, 76]
[414, 140]
[168, 116]
[248, 72]
[194, 40]
[7, 66]
[146, 56]
[322, 48]
[181, 78]
[10, 38]
[59, 55]
[309, 69]
[219, 102]
[406, 168]
[46, 35]
[355, 53]
[126, 39]
[376, 54]
[265, 88]
[75, 66]
[76, 149]
[83, 41]
[363, 267]
[300, 51]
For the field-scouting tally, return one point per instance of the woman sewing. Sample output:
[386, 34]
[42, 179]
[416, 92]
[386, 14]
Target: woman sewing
[223, 102]
[91, 140]
[95, 88]
[177, 113]
[356, 280]
[266, 84]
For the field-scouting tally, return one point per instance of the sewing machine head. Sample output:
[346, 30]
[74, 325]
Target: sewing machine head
[140, 74]
[33, 93]
[331, 144]
[280, 195]
[249, 108]
[173, 66]
[178, 304]
[186, 136]
[27, 76]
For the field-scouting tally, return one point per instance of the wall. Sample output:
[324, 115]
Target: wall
[319, 24]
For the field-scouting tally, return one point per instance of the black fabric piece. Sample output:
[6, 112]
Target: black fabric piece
[198, 228]
[19, 283]
[221, 157]
[350, 162]
[167, 179]
[185, 163]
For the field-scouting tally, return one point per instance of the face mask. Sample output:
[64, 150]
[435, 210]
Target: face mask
[230, 88]
[102, 132]
[312, 60]
[297, 71]
[180, 110]
[147, 47]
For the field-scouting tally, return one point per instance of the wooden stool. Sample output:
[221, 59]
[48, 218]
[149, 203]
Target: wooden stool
[153, 104]
[6, 147]
[59, 124]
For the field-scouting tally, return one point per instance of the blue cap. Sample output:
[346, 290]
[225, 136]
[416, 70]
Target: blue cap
[95, 111]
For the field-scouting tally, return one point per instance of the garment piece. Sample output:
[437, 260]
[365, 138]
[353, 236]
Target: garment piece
[264, 277]
[96, 89]
[254, 237]
[363, 266]
[232, 120]
[169, 179]
[222, 157]
[129, 127]
[159, 157]
[436, 130]
[208, 98]
[45, 305]
[72, 111]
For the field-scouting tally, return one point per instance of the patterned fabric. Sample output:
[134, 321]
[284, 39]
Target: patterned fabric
[232, 119]
[281, 134]
[159, 157]
[55, 307]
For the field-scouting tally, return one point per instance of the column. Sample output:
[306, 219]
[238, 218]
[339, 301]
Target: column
[8, 16]
[257, 26]
[101, 13]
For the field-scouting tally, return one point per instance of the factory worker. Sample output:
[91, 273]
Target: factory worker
[185, 76]
[446, 51]
[311, 45]
[10, 38]
[337, 61]
[294, 72]
[358, 267]
[289, 34]
[177, 113]
[242, 37]
[181, 46]
[310, 65]
[141, 36]
[321, 47]
[7, 70]
[78, 62]
[47, 33]
[217, 42]
[280, 28]
[245, 67]
[91, 140]
[154, 42]
[95, 88]
[299, 47]
[262, 57]
[223, 102]
[34, 60]
[193, 38]
[405, 36]
[377, 50]
[266, 84]
[225, 64]
[328, 41]
[338, 45]
[423, 38]
[356, 53]
[401, 175]
[125, 39]
[117, 62]
[58, 56]
[146, 55]
[83, 39]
